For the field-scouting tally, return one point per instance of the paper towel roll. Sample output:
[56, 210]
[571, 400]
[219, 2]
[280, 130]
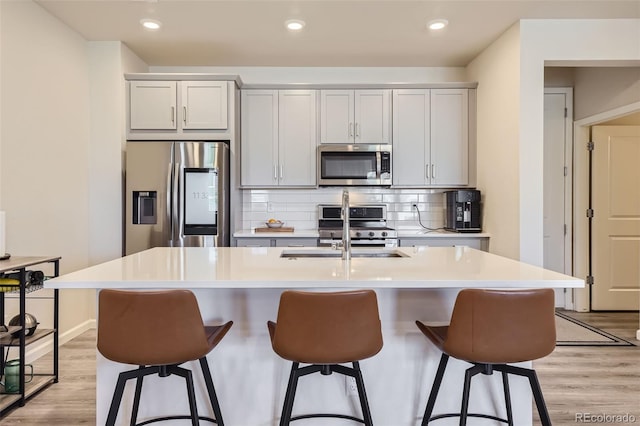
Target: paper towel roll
[2, 235]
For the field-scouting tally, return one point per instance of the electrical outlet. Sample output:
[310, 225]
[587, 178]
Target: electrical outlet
[350, 386]
[269, 207]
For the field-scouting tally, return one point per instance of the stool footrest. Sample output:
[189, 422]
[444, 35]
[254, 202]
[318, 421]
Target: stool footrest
[336, 416]
[484, 416]
[185, 417]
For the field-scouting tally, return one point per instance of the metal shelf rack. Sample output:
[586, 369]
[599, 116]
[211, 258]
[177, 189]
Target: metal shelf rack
[20, 264]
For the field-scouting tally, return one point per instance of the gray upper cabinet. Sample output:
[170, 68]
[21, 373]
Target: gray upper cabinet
[176, 108]
[355, 116]
[279, 138]
[430, 137]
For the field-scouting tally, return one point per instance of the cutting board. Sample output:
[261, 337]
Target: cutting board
[281, 229]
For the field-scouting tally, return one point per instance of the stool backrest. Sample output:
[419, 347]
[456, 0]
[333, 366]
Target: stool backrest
[327, 328]
[502, 326]
[150, 327]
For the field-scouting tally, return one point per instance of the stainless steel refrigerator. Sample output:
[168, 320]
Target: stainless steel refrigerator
[176, 195]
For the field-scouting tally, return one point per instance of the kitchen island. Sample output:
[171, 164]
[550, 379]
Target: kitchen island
[244, 285]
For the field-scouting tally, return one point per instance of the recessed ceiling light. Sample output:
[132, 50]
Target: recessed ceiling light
[437, 24]
[151, 24]
[294, 24]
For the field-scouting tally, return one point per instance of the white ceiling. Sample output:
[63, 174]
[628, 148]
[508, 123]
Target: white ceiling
[337, 33]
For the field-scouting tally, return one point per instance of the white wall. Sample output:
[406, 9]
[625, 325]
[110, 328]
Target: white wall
[44, 145]
[599, 41]
[331, 75]
[497, 71]
[107, 62]
[604, 89]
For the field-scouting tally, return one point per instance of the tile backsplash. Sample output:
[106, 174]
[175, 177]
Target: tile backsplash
[299, 207]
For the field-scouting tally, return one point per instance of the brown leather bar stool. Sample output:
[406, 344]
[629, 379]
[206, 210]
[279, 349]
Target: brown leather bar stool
[325, 330]
[490, 329]
[158, 331]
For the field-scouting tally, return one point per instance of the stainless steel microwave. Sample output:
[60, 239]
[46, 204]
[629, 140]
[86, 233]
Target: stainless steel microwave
[354, 165]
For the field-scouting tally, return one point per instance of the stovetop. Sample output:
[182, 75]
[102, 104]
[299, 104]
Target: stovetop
[366, 222]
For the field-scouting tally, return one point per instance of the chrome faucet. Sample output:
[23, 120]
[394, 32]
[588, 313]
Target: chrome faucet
[346, 226]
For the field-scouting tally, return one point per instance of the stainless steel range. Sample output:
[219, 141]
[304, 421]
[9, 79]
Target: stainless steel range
[368, 226]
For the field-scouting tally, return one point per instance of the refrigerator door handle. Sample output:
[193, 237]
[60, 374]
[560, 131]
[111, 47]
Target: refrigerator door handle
[176, 214]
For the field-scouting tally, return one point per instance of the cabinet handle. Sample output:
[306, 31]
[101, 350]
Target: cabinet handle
[433, 171]
[275, 172]
[426, 171]
[357, 130]
[281, 171]
[184, 115]
[350, 129]
[173, 115]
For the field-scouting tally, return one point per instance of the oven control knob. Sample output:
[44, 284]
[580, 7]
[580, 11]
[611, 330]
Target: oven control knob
[358, 234]
[384, 233]
[371, 233]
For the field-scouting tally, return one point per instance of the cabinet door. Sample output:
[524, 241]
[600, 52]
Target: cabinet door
[152, 105]
[449, 137]
[204, 104]
[296, 242]
[337, 116]
[372, 117]
[480, 243]
[259, 138]
[254, 242]
[411, 161]
[297, 137]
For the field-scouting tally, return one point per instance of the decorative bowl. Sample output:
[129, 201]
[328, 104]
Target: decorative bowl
[277, 224]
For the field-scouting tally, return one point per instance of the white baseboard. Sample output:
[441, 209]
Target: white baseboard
[36, 351]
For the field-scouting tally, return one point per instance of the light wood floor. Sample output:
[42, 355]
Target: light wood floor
[596, 380]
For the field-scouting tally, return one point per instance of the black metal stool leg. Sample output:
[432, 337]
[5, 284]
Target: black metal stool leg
[507, 397]
[191, 394]
[115, 401]
[364, 403]
[136, 399]
[537, 395]
[468, 375]
[435, 388]
[119, 391]
[290, 395]
[212, 391]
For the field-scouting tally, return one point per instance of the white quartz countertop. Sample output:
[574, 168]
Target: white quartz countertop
[402, 233]
[262, 267]
[250, 233]
[423, 233]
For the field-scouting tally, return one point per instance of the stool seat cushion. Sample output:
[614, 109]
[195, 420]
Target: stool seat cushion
[327, 328]
[153, 327]
[437, 335]
[498, 326]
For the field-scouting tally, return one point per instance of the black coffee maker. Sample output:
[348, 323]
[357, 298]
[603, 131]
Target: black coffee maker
[462, 210]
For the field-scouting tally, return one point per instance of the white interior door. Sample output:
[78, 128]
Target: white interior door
[616, 218]
[557, 206]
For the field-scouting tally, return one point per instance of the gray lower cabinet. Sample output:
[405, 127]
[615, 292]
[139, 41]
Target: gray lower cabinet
[276, 242]
[480, 243]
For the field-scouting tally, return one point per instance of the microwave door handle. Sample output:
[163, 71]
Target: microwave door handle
[378, 164]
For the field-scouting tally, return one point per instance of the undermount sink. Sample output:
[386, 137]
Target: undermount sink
[331, 253]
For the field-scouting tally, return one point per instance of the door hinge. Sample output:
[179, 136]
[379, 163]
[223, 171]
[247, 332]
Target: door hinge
[590, 146]
[565, 229]
[566, 113]
[589, 213]
[566, 171]
[589, 280]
